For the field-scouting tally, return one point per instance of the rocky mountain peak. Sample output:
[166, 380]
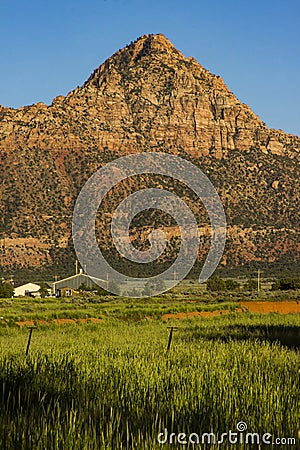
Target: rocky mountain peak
[146, 97]
[148, 48]
[151, 44]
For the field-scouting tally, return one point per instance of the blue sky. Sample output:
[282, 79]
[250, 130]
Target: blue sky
[50, 47]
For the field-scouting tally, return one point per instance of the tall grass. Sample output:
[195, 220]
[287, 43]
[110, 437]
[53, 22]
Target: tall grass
[112, 386]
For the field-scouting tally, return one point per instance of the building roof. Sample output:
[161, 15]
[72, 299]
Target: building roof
[73, 277]
[29, 286]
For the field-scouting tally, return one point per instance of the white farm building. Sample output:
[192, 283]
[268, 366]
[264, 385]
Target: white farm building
[27, 289]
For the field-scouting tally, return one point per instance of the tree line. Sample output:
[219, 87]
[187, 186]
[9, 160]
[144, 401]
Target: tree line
[216, 283]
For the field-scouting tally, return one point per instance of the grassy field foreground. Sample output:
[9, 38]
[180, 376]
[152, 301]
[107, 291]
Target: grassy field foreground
[112, 385]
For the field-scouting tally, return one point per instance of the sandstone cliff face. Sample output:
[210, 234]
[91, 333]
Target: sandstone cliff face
[146, 97]
[150, 95]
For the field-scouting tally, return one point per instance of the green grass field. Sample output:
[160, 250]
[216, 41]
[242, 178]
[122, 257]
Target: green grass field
[112, 385]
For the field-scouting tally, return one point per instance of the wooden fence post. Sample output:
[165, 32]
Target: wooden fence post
[28, 342]
[170, 337]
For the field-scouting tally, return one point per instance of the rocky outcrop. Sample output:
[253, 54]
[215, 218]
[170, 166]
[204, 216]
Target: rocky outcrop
[146, 97]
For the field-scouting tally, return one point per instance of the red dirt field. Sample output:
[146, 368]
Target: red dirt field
[91, 319]
[290, 307]
[63, 321]
[26, 323]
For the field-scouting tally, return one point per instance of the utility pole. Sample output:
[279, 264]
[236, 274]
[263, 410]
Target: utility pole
[2, 252]
[258, 280]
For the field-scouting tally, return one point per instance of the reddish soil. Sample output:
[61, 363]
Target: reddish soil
[27, 323]
[91, 319]
[95, 320]
[289, 307]
[63, 321]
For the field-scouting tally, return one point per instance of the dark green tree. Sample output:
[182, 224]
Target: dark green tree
[250, 285]
[215, 284]
[232, 285]
[44, 292]
[286, 284]
[6, 289]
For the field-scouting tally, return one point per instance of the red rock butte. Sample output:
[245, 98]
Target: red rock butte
[147, 97]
